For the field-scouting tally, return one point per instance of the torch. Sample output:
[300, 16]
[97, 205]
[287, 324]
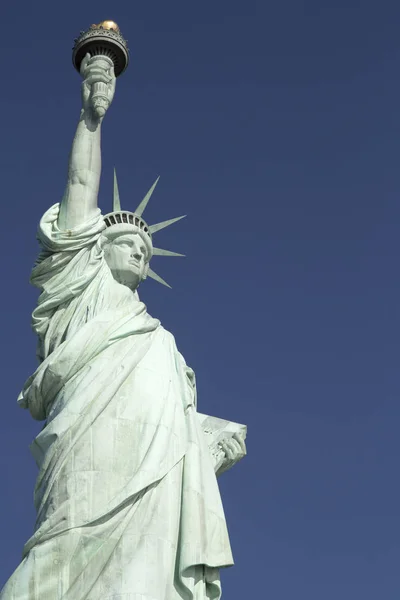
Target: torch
[106, 43]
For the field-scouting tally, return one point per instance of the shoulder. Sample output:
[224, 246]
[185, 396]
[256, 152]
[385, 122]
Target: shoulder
[54, 239]
[168, 336]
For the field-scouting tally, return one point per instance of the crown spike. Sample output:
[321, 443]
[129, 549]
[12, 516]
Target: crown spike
[158, 226]
[140, 209]
[161, 252]
[156, 277]
[116, 200]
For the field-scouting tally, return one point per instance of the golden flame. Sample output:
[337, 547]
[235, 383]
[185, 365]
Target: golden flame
[106, 25]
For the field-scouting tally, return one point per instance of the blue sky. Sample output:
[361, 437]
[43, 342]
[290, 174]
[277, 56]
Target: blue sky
[276, 127]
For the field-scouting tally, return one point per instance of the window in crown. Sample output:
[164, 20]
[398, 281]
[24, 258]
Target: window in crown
[124, 218]
[130, 217]
[112, 220]
[118, 217]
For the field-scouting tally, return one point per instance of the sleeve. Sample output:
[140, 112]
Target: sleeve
[60, 247]
[68, 264]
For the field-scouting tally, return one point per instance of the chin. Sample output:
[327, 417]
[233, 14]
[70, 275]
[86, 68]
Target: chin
[130, 278]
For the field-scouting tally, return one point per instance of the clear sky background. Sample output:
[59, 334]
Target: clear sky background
[276, 127]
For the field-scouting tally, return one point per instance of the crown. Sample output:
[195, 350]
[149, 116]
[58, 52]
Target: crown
[104, 39]
[121, 221]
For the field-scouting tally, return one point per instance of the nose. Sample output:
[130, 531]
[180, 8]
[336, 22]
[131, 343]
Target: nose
[136, 253]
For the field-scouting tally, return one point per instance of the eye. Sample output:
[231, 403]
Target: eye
[143, 250]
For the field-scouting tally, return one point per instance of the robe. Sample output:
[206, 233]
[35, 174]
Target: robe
[128, 506]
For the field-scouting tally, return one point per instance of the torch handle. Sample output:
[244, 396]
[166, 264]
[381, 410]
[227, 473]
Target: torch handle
[99, 97]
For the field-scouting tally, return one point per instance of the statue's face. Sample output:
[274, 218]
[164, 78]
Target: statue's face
[126, 255]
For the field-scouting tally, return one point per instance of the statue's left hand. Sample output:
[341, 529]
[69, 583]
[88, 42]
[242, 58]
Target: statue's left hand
[234, 449]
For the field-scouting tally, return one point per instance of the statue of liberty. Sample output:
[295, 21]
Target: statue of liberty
[127, 501]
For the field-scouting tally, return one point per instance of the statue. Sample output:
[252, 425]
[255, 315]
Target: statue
[127, 500]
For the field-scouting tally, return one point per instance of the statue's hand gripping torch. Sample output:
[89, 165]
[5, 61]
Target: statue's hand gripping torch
[100, 54]
[98, 83]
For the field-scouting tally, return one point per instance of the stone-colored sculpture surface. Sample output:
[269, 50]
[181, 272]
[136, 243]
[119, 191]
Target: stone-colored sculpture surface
[127, 501]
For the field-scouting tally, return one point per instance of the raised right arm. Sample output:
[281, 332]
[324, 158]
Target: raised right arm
[79, 202]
